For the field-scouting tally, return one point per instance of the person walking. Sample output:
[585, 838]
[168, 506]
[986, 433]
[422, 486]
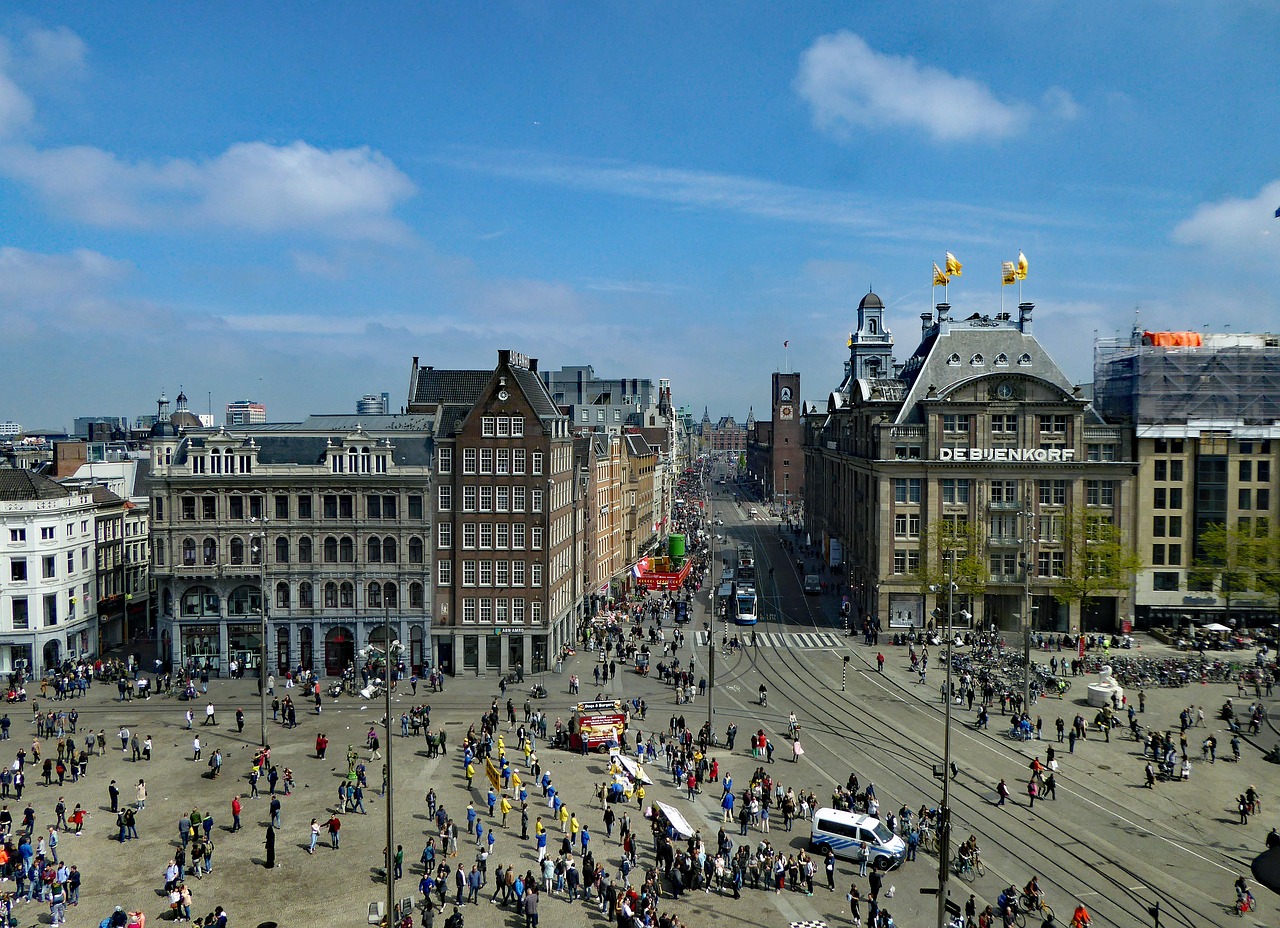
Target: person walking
[142, 795]
[1002, 790]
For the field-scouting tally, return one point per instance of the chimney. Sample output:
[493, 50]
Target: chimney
[1024, 317]
[944, 312]
[504, 357]
[533, 365]
[926, 322]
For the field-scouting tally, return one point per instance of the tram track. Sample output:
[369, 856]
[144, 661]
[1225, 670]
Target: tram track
[1101, 871]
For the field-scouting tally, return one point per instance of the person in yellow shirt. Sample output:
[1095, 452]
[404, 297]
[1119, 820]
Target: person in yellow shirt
[574, 828]
[564, 820]
[538, 827]
[504, 807]
[471, 773]
[640, 794]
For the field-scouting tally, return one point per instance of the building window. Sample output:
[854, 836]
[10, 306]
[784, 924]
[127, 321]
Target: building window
[347, 551]
[1262, 499]
[486, 460]
[347, 595]
[1004, 491]
[900, 561]
[486, 498]
[1175, 555]
[952, 422]
[306, 596]
[906, 525]
[1004, 564]
[304, 506]
[416, 599]
[1053, 492]
[955, 492]
[444, 573]
[486, 535]
[282, 550]
[444, 460]
[485, 576]
[535, 574]
[373, 553]
[1160, 471]
[977, 360]
[468, 573]
[535, 538]
[517, 573]
[488, 426]
[537, 463]
[444, 498]
[1100, 493]
[1158, 526]
[469, 499]
[518, 456]
[1160, 498]
[50, 609]
[1004, 425]
[1244, 498]
[502, 535]
[469, 610]
[517, 536]
[18, 570]
[47, 533]
[444, 537]
[1165, 581]
[304, 550]
[331, 550]
[517, 426]
[468, 536]
[906, 490]
[1157, 555]
[282, 596]
[1053, 425]
[953, 360]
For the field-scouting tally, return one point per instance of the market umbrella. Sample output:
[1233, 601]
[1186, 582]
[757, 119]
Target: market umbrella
[1215, 627]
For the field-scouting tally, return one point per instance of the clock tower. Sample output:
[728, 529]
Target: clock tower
[786, 465]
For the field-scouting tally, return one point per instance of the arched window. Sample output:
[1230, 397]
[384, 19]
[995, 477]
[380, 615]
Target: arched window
[871, 326]
[188, 552]
[331, 550]
[364, 460]
[1024, 360]
[282, 550]
[390, 595]
[199, 601]
[331, 595]
[245, 600]
[415, 550]
[237, 550]
[210, 551]
[978, 360]
[347, 595]
[282, 596]
[256, 544]
[157, 551]
[388, 550]
[304, 550]
[306, 599]
[374, 550]
[415, 595]
[954, 360]
[1002, 360]
[373, 595]
[348, 553]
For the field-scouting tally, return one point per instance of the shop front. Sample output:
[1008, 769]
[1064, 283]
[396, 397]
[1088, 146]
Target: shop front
[200, 646]
[339, 650]
[244, 645]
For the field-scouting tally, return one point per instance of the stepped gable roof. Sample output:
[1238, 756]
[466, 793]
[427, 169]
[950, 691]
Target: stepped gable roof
[19, 486]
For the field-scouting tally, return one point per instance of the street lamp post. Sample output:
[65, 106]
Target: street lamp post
[261, 538]
[944, 824]
[391, 848]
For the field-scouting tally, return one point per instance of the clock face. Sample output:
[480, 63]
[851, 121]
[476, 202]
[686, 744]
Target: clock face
[503, 394]
[784, 412]
[1004, 391]
[785, 394]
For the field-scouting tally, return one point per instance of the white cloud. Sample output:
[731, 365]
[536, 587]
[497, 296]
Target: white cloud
[57, 52]
[849, 85]
[344, 193]
[45, 293]
[1246, 228]
[16, 110]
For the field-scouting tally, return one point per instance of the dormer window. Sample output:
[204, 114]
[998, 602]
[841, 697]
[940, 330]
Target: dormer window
[953, 361]
[1002, 360]
[871, 326]
[977, 360]
[1024, 360]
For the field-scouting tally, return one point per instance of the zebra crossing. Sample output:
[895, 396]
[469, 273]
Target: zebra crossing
[787, 641]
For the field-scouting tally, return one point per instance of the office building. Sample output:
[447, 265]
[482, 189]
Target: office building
[245, 412]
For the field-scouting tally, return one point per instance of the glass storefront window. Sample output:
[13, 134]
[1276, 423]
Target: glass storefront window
[244, 644]
[515, 654]
[470, 653]
[201, 644]
[493, 652]
[540, 654]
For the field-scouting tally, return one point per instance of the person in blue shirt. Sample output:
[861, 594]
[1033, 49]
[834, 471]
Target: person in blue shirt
[586, 838]
[492, 800]
[471, 817]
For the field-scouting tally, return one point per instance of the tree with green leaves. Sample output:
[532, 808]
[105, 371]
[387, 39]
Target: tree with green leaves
[952, 549]
[1098, 560]
[1233, 560]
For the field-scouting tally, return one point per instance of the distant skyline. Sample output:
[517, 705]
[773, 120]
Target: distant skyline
[288, 202]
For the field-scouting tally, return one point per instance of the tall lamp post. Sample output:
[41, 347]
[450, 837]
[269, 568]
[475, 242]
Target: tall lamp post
[393, 647]
[944, 824]
[711, 603]
[260, 541]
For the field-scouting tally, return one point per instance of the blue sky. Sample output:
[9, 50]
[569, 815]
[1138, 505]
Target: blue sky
[288, 201]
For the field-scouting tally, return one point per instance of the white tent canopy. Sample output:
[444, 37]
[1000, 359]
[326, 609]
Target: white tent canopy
[682, 828]
[1215, 627]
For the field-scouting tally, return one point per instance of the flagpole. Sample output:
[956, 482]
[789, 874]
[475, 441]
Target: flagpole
[1002, 291]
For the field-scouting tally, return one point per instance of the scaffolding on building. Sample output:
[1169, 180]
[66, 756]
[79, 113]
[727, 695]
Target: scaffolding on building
[1227, 378]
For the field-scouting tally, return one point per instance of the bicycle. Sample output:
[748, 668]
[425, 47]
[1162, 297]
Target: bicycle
[969, 868]
[1028, 904]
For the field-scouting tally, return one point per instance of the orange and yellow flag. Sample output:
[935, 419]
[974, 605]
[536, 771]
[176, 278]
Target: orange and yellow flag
[939, 278]
[953, 266]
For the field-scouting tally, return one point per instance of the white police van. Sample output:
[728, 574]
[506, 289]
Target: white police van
[843, 834]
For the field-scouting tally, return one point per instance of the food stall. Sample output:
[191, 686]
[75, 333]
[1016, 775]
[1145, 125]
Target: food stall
[600, 723]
